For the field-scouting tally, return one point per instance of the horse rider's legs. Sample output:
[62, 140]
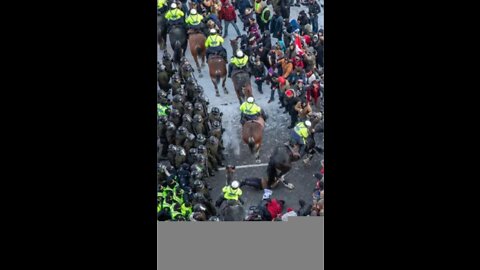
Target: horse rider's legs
[208, 52]
[242, 119]
[230, 68]
[264, 115]
[220, 200]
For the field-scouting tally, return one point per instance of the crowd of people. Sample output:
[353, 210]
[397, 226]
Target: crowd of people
[283, 53]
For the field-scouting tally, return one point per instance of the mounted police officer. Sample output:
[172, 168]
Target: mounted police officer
[250, 111]
[214, 44]
[174, 16]
[239, 61]
[231, 192]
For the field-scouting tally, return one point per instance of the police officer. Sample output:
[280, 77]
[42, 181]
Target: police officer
[214, 44]
[250, 111]
[181, 135]
[177, 103]
[180, 156]
[200, 140]
[231, 192]
[192, 155]
[194, 21]
[189, 142]
[202, 150]
[300, 134]
[176, 83]
[175, 210]
[161, 133]
[199, 165]
[162, 103]
[239, 61]
[174, 16]
[187, 122]
[161, 6]
[175, 117]
[215, 115]
[198, 108]
[199, 187]
[170, 133]
[188, 109]
[186, 209]
[217, 131]
[172, 150]
[198, 125]
[214, 152]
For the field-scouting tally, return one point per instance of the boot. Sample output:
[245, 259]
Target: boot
[230, 68]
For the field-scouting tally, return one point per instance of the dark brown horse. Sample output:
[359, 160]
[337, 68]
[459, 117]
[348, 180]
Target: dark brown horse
[161, 31]
[252, 133]
[242, 85]
[218, 70]
[280, 164]
[196, 42]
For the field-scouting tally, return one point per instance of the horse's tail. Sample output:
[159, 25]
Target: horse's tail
[251, 144]
[217, 76]
[177, 51]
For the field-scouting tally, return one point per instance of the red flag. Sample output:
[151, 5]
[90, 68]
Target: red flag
[298, 45]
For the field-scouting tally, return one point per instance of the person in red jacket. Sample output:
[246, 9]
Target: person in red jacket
[298, 63]
[271, 208]
[227, 13]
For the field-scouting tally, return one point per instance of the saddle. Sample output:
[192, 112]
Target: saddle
[214, 55]
[259, 121]
[293, 150]
[195, 31]
[238, 70]
[174, 26]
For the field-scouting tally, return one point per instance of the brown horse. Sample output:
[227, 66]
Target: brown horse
[242, 85]
[196, 42]
[217, 68]
[252, 133]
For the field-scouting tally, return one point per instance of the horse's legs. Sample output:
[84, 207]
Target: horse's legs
[223, 85]
[203, 58]
[239, 98]
[257, 153]
[214, 81]
[195, 57]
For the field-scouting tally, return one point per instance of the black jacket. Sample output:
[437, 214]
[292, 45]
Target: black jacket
[277, 26]
[313, 9]
[259, 70]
